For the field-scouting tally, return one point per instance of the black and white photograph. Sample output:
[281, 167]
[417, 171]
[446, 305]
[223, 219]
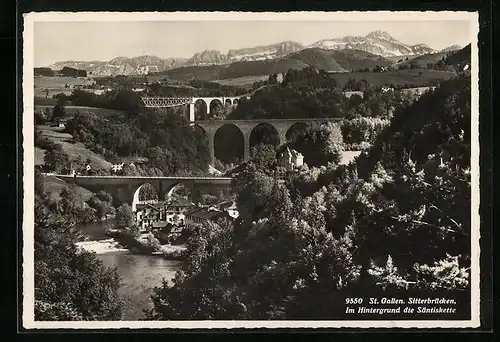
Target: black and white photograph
[250, 170]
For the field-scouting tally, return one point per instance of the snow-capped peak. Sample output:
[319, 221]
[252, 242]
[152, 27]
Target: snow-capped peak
[376, 42]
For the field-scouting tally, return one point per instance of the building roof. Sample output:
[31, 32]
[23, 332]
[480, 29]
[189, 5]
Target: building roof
[289, 152]
[206, 213]
[227, 205]
[160, 224]
[154, 206]
[180, 202]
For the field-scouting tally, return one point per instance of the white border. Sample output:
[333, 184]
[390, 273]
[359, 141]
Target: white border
[28, 321]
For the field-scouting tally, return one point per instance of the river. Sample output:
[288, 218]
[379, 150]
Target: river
[139, 273]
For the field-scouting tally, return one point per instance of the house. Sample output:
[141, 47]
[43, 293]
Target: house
[200, 215]
[176, 219]
[386, 88]
[178, 205]
[148, 214]
[291, 159]
[230, 208]
[117, 167]
[156, 215]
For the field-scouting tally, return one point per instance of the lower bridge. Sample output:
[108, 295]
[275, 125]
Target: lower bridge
[127, 188]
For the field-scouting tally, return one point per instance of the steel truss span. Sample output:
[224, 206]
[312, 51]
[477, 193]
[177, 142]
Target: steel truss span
[163, 102]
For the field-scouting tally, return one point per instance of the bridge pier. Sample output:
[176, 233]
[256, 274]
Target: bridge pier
[282, 135]
[246, 146]
[211, 146]
[191, 112]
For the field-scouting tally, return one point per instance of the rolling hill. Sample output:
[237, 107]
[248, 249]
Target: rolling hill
[376, 43]
[422, 60]
[329, 60]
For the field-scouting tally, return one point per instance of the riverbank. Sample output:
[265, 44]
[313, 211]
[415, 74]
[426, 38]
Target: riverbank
[139, 272]
[101, 246]
[167, 251]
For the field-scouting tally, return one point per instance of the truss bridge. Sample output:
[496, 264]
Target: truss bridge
[163, 102]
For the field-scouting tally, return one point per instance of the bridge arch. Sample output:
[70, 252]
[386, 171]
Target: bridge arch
[201, 109]
[264, 133]
[229, 143]
[295, 130]
[215, 106]
[137, 198]
[228, 102]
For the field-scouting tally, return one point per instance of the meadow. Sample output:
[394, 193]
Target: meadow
[72, 149]
[410, 77]
[53, 186]
[72, 110]
[56, 85]
[246, 81]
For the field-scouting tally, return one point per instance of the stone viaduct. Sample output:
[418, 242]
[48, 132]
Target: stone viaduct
[126, 188]
[246, 127]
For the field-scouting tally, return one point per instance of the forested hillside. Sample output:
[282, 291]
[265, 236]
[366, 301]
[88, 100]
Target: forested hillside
[344, 60]
[170, 145]
[395, 222]
[310, 93]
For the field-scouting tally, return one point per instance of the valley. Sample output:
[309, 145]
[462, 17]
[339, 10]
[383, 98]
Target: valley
[270, 182]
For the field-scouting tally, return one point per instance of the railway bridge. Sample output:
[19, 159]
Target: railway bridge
[246, 127]
[166, 102]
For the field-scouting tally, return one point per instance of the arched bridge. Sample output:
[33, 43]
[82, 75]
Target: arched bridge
[126, 188]
[281, 126]
[165, 102]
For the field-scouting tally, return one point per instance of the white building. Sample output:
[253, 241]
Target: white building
[117, 167]
[291, 159]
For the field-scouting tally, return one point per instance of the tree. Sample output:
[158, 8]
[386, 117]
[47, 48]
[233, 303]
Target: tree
[57, 160]
[39, 183]
[264, 156]
[125, 219]
[59, 111]
[71, 201]
[299, 254]
[70, 284]
[320, 144]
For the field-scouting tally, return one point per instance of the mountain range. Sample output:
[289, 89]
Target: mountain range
[378, 44]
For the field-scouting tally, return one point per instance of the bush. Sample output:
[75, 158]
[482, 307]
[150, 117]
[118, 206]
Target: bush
[362, 131]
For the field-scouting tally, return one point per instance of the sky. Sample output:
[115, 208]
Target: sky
[87, 41]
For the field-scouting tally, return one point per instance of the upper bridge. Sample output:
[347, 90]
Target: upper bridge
[166, 102]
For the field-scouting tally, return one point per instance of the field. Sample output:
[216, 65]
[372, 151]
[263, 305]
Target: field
[348, 156]
[422, 61]
[72, 149]
[44, 101]
[246, 81]
[56, 84]
[71, 110]
[53, 186]
[417, 77]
